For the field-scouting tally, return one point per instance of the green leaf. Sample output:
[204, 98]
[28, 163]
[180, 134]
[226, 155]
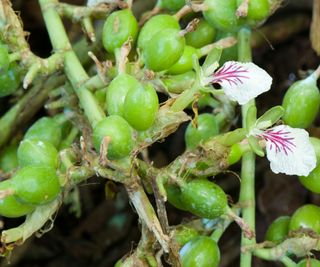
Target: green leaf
[195, 64]
[254, 145]
[270, 117]
[233, 137]
[212, 58]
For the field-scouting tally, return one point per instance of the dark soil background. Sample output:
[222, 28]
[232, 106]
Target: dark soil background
[106, 230]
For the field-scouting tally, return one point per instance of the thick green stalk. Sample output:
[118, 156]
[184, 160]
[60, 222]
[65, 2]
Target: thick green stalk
[72, 66]
[247, 192]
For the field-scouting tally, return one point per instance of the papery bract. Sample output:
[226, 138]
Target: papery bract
[289, 150]
[242, 82]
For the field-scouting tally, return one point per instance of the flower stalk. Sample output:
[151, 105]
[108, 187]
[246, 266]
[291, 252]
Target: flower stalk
[72, 66]
[247, 192]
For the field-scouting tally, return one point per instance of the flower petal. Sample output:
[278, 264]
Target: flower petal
[289, 150]
[242, 82]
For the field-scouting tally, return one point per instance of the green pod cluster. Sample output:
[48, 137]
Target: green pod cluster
[207, 127]
[118, 28]
[301, 103]
[203, 35]
[36, 185]
[278, 230]
[306, 217]
[45, 129]
[120, 134]
[10, 207]
[200, 251]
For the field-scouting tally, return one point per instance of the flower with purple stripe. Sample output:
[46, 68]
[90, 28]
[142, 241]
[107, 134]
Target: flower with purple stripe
[288, 149]
[241, 82]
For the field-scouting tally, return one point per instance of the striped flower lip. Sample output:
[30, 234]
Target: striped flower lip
[241, 82]
[288, 149]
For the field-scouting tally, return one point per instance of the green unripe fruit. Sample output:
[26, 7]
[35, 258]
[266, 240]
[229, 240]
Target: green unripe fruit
[117, 91]
[164, 49]
[183, 234]
[316, 145]
[8, 158]
[257, 9]
[174, 197]
[278, 230]
[184, 63]
[221, 14]
[203, 35]
[204, 198]
[120, 133]
[4, 58]
[172, 5]
[312, 181]
[9, 80]
[178, 83]
[118, 28]
[36, 185]
[200, 251]
[207, 127]
[45, 129]
[153, 26]
[9, 206]
[308, 217]
[312, 263]
[301, 103]
[37, 152]
[141, 106]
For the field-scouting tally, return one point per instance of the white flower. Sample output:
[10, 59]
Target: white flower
[288, 150]
[242, 82]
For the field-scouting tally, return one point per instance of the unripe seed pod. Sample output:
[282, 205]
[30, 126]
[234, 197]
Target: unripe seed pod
[200, 251]
[10, 207]
[118, 28]
[204, 198]
[164, 49]
[301, 103]
[36, 185]
[153, 26]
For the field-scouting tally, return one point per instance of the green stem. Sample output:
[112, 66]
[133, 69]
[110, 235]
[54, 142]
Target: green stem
[72, 66]
[247, 192]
